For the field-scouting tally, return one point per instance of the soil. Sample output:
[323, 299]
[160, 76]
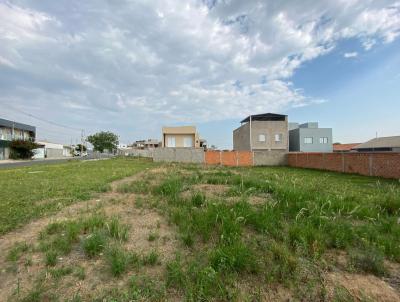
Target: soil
[17, 277]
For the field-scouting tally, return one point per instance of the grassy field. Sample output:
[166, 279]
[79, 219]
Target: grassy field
[31, 192]
[193, 233]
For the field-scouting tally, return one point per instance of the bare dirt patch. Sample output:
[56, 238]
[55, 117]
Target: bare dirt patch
[208, 190]
[19, 276]
[363, 286]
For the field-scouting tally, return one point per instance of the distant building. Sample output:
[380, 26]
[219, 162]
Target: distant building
[344, 147]
[151, 143]
[268, 131]
[52, 150]
[181, 137]
[308, 137]
[380, 144]
[122, 146]
[10, 130]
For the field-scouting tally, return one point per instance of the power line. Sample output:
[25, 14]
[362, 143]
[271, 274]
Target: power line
[44, 120]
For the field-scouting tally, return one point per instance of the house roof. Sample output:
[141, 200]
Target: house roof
[381, 142]
[265, 117]
[344, 147]
[20, 126]
[179, 130]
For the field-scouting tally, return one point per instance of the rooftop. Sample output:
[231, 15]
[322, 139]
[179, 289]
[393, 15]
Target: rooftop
[265, 117]
[381, 142]
[344, 147]
[20, 126]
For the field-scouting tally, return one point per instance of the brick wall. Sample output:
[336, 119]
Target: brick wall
[229, 158]
[371, 164]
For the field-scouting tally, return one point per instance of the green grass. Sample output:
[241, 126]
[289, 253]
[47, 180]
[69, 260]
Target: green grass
[288, 240]
[25, 196]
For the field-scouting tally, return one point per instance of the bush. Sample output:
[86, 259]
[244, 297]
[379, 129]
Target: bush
[22, 149]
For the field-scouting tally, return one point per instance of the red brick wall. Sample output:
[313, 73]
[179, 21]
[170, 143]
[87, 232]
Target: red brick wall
[372, 164]
[229, 158]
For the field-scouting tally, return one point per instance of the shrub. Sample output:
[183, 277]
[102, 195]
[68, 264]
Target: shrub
[22, 149]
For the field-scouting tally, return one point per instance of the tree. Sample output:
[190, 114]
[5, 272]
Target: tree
[103, 141]
[80, 147]
[22, 149]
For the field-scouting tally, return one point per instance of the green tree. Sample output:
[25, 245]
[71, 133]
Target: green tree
[22, 149]
[103, 141]
[80, 147]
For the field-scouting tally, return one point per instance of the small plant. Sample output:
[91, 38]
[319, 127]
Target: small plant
[145, 289]
[198, 199]
[187, 239]
[51, 258]
[153, 236]
[16, 252]
[117, 230]
[118, 260]
[368, 261]
[58, 273]
[80, 273]
[94, 244]
[151, 258]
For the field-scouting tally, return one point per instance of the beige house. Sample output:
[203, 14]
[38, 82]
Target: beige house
[268, 131]
[180, 137]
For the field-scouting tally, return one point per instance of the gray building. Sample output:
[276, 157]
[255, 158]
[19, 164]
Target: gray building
[308, 137]
[10, 130]
[380, 144]
[268, 131]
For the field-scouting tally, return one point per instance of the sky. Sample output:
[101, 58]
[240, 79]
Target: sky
[131, 67]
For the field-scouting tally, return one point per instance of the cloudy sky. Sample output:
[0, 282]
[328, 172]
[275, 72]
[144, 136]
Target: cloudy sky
[134, 66]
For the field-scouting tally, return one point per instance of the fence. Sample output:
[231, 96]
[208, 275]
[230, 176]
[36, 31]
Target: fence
[371, 164]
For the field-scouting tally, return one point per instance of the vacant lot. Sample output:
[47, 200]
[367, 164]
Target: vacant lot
[183, 232]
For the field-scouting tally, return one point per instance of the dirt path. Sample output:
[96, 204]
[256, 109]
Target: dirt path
[142, 222]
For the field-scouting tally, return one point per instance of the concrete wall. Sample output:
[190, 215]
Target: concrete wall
[183, 155]
[54, 153]
[241, 136]
[296, 143]
[385, 164]
[270, 158]
[269, 129]
[137, 152]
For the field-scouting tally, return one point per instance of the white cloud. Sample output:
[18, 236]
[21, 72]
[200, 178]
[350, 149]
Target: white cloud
[349, 55]
[157, 61]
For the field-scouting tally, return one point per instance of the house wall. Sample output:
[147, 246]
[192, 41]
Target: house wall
[297, 136]
[241, 136]
[371, 164]
[179, 140]
[269, 128]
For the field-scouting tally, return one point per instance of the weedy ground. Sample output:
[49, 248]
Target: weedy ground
[195, 233]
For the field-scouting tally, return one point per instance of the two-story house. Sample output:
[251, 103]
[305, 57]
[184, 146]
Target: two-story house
[268, 131]
[308, 137]
[181, 137]
[10, 130]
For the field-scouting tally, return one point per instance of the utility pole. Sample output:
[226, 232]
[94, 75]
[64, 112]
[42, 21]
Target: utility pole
[82, 139]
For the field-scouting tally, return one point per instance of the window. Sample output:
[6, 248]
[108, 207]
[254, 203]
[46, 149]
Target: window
[308, 140]
[188, 141]
[261, 138]
[171, 141]
[278, 138]
[323, 140]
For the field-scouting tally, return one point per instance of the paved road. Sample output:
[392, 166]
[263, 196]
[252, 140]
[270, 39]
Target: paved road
[47, 161]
